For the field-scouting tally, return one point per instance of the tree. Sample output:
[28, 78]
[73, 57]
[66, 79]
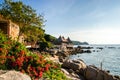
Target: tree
[44, 45]
[49, 38]
[26, 17]
[34, 34]
[21, 14]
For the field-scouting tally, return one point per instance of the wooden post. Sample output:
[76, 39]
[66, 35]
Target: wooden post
[101, 65]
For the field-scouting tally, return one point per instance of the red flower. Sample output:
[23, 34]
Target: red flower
[22, 52]
[26, 59]
[40, 56]
[10, 57]
[39, 61]
[1, 49]
[19, 61]
[47, 67]
[40, 74]
[34, 71]
[31, 68]
[44, 61]
[2, 62]
[36, 79]
[43, 69]
[39, 68]
[55, 67]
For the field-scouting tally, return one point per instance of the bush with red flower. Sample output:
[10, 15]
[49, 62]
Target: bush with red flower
[14, 55]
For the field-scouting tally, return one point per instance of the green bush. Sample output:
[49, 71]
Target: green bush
[44, 45]
[14, 55]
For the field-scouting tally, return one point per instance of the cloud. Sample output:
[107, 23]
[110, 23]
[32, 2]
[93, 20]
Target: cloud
[97, 36]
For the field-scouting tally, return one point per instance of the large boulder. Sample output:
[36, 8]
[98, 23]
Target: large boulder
[72, 75]
[76, 65]
[102, 75]
[117, 76]
[91, 73]
[94, 73]
[13, 75]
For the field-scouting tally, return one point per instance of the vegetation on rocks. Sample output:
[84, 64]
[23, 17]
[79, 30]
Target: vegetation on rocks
[14, 55]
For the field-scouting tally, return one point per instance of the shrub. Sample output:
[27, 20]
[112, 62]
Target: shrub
[44, 45]
[14, 55]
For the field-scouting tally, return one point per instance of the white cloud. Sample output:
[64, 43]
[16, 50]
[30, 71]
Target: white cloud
[98, 36]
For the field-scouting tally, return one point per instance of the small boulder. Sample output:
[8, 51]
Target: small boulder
[65, 71]
[13, 75]
[118, 77]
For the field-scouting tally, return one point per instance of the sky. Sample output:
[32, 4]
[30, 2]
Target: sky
[93, 21]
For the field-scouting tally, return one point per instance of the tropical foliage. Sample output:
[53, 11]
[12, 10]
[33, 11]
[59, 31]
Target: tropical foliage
[33, 34]
[49, 38]
[14, 55]
[26, 17]
[21, 14]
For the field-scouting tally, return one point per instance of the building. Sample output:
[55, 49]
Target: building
[63, 44]
[9, 28]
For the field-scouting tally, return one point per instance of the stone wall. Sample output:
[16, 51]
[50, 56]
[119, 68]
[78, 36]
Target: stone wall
[13, 30]
[9, 28]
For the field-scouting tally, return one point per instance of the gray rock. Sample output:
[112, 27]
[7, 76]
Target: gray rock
[94, 73]
[13, 75]
[74, 65]
[65, 71]
[91, 73]
[118, 77]
[70, 71]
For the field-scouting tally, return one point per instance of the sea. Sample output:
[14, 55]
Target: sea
[107, 55]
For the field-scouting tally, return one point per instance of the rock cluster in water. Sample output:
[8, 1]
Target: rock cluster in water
[79, 70]
[71, 51]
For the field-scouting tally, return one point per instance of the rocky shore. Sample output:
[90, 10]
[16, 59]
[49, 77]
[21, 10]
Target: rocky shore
[78, 70]
[73, 69]
[72, 51]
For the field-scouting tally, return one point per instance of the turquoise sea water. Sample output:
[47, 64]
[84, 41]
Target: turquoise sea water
[109, 56]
